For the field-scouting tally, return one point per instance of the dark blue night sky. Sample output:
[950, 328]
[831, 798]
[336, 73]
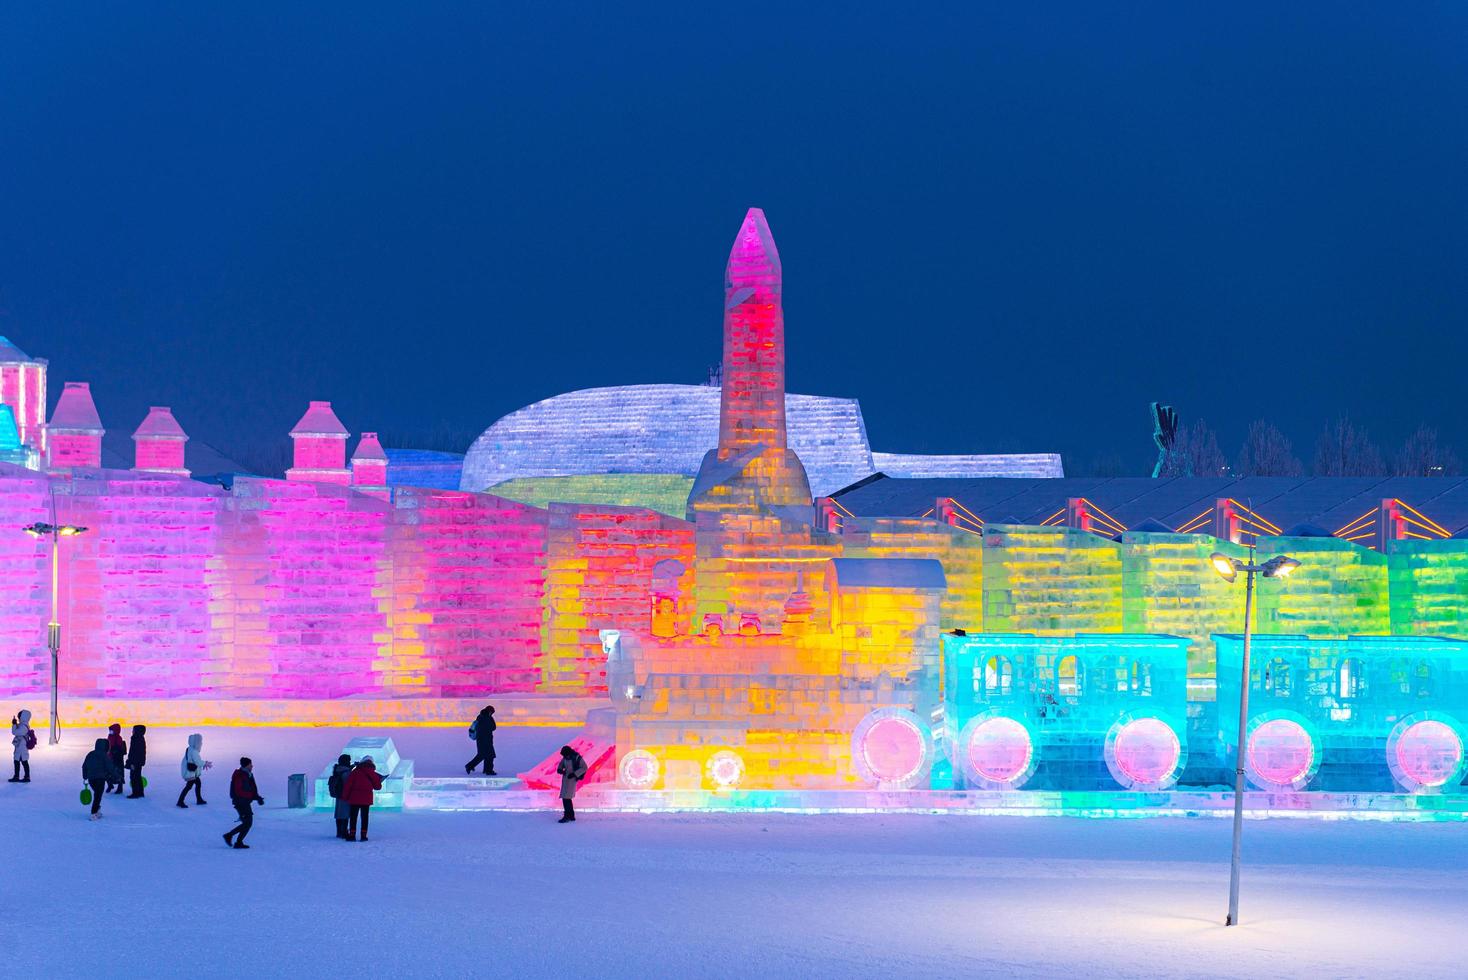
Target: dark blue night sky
[1004, 227]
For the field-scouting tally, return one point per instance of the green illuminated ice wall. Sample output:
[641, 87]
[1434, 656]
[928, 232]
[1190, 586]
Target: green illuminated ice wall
[1428, 584]
[1051, 581]
[1168, 586]
[1340, 589]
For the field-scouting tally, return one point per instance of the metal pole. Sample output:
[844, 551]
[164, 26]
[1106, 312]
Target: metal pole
[53, 638]
[1233, 879]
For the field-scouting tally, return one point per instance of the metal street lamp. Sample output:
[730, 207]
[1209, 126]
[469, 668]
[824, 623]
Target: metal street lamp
[1280, 566]
[55, 532]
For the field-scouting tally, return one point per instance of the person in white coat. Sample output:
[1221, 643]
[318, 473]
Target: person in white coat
[192, 770]
[20, 737]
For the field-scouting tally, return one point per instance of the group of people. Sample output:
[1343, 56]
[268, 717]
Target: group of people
[351, 785]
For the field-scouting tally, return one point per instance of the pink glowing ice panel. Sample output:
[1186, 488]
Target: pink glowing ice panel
[1429, 753]
[999, 750]
[1281, 752]
[1147, 751]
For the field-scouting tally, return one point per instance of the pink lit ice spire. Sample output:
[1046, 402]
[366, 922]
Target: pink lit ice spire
[369, 464]
[320, 447]
[160, 443]
[752, 401]
[74, 434]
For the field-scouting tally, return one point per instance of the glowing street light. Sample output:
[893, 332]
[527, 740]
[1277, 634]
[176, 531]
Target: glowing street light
[1280, 566]
[55, 532]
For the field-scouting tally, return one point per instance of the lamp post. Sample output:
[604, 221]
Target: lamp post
[55, 532]
[1280, 566]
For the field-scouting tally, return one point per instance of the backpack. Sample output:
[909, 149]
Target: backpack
[474, 729]
[30, 739]
[334, 785]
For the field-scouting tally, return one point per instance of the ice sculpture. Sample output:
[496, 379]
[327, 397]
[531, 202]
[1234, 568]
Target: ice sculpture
[1361, 713]
[396, 772]
[1062, 712]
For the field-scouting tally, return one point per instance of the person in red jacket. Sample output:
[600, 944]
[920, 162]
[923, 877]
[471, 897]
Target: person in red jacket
[361, 782]
[117, 749]
[242, 793]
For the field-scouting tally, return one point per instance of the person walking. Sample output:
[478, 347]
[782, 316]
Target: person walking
[137, 757]
[192, 770]
[482, 732]
[117, 749]
[335, 787]
[362, 782]
[572, 768]
[243, 793]
[99, 771]
[23, 739]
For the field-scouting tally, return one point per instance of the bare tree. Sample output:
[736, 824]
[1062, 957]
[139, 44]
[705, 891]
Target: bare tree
[1267, 452]
[1344, 449]
[1194, 452]
[1423, 455]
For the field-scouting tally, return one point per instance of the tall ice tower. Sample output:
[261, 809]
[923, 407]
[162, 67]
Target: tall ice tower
[754, 541]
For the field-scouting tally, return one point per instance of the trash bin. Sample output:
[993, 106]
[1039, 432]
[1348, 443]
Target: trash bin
[296, 791]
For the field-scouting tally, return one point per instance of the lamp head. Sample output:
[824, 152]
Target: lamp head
[1280, 566]
[1226, 567]
[38, 529]
[68, 530]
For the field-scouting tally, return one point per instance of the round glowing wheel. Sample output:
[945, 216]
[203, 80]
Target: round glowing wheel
[892, 748]
[997, 752]
[1145, 753]
[1283, 753]
[1425, 752]
[725, 769]
[639, 769]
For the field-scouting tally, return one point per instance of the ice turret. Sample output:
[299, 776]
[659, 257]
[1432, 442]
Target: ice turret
[369, 465]
[74, 434]
[320, 447]
[159, 443]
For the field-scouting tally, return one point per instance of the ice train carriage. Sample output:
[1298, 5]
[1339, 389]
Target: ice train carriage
[1357, 714]
[1085, 712]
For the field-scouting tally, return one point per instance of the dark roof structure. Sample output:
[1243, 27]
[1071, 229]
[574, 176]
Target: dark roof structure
[1331, 503]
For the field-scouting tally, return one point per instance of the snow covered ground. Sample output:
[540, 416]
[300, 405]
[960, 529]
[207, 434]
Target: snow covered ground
[152, 891]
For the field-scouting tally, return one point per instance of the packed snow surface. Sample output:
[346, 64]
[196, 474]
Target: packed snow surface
[151, 890]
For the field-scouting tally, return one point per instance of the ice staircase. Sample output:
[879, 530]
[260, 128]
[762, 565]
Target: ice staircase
[599, 753]
[396, 773]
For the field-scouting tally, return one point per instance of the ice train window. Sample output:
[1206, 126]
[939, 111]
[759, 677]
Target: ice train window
[1277, 678]
[1068, 677]
[998, 676]
[1348, 679]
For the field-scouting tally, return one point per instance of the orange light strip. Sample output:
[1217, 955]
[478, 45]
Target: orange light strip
[1058, 513]
[1347, 527]
[837, 504]
[973, 518]
[1432, 524]
[1113, 521]
[1425, 527]
[1196, 522]
[1259, 518]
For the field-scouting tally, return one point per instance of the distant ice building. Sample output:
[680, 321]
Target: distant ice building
[667, 428]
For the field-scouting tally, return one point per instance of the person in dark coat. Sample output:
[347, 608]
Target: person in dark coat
[242, 793]
[137, 757]
[338, 782]
[482, 731]
[361, 784]
[117, 748]
[99, 772]
[572, 768]
[20, 738]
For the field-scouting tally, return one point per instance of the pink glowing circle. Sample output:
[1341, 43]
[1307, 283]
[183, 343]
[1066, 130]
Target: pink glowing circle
[893, 749]
[639, 769]
[1147, 752]
[1281, 753]
[725, 769]
[1429, 753]
[1000, 751]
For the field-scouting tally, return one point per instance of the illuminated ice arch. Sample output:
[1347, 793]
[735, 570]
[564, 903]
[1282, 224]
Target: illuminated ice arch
[892, 749]
[1282, 751]
[1146, 752]
[1425, 752]
[997, 751]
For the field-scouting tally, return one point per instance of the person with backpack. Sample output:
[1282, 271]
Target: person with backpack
[99, 772]
[243, 794]
[137, 757]
[482, 732]
[334, 786]
[117, 749]
[192, 770]
[572, 768]
[358, 793]
[23, 738]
